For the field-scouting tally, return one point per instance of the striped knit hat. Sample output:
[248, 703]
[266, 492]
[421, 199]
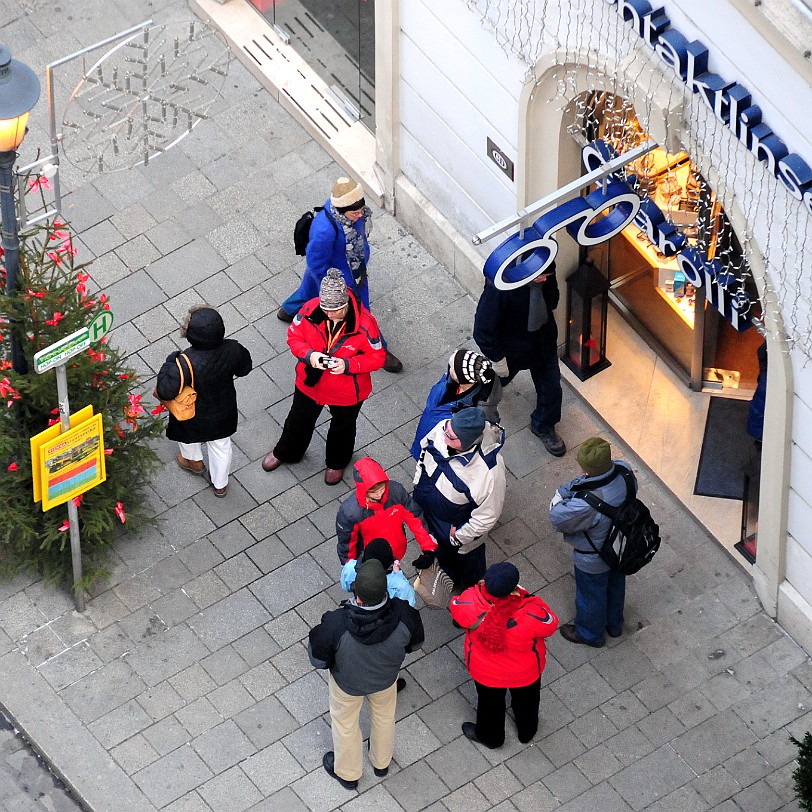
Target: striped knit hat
[471, 367]
[333, 291]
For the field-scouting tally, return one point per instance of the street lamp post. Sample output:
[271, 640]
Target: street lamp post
[19, 92]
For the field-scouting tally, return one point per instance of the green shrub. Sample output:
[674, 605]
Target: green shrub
[803, 772]
[54, 298]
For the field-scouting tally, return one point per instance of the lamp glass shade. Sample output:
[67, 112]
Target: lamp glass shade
[12, 131]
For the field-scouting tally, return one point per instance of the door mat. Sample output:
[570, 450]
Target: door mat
[725, 450]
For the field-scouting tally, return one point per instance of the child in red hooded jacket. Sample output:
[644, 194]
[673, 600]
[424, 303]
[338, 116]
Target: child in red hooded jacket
[380, 508]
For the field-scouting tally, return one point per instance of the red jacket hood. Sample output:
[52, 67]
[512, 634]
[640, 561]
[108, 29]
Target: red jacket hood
[367, 473]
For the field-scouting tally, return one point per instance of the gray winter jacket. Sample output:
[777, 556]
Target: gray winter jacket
[574, 517]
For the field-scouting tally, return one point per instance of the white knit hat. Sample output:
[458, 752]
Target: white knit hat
[345, 193]
[333, 291]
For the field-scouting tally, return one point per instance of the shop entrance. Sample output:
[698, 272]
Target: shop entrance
[648, 288]
[337, 40]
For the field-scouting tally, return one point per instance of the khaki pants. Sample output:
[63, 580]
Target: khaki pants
[345, 711]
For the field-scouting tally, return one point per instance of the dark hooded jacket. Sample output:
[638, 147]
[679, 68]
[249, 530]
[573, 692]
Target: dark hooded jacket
[216, 360]
[364, 647]
[361, 520]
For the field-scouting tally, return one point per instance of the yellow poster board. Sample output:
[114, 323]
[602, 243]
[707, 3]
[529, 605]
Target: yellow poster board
[51, 433]
[72, 463]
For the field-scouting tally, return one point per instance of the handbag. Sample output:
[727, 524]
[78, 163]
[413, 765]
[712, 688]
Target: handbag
[182, 406]
[434, 586]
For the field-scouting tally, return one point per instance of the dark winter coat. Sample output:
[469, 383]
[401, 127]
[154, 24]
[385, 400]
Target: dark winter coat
[360, 520]
[364, 647]
[500, 324]
[523, 661]
[443, 401]
[216, 361]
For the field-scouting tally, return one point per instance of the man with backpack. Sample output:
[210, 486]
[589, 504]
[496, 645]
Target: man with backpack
[600, 591]
[336, 237]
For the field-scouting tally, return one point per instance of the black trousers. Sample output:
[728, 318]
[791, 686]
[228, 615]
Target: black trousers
[463, 570]
[490, 712]
[301, 422]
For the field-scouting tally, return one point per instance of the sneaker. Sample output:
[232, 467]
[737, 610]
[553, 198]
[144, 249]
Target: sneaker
[192, 466]
[392, 363]
[552, 442]
[329, 762]
[283, 315]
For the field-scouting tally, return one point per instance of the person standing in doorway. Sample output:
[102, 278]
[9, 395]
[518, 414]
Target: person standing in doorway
[215, 361]
[516, 329]
[339, 238]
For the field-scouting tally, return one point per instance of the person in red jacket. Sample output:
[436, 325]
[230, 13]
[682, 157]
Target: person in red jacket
[380, 508]
[337, 344]
[504, 650]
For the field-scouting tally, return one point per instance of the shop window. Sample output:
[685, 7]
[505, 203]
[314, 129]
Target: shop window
[337, 40]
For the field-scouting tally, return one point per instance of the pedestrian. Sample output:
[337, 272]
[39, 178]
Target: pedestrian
[600, 592]
[505, 627]
[379, 508]
[460, 484]
[469, 381]
[397, 584]
[363, 644]
[516, 330]
[339, 238]
[215, 361]
[336, 343]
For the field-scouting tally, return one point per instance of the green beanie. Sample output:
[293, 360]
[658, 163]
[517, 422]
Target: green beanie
[595, 456]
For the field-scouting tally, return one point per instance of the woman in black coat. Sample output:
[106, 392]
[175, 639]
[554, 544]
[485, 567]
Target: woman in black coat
[216, 361]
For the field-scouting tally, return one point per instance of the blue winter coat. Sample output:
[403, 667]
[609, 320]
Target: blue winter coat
[327, 248]
[440, 406]
[574, 517]
[397, 584]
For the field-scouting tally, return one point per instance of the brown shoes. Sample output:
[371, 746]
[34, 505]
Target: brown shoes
[270, 462]
[570, 633]
[332, 476]
[283, 315]
[192, 466]
[392, 363]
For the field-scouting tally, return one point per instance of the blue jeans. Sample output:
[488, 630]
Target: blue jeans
[546, 376]
[599, 603]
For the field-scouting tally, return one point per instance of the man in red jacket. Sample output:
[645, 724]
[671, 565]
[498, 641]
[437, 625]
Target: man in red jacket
[380, 508]
[504, 650]
[337, 344]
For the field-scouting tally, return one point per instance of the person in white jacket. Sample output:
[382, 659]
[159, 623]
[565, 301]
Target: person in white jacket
[460, 484]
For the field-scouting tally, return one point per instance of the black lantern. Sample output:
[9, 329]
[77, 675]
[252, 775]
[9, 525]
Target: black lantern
[587, 305]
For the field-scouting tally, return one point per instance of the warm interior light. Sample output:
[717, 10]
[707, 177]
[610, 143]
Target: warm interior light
[12, 131]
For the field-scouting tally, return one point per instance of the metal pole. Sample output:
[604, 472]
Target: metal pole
[11, 249]
[564, 192]
[73, 513]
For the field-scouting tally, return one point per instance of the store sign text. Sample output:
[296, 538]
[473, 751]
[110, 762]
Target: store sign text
[598, 217]
[730, 102]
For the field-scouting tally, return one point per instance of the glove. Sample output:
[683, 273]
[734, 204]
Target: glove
[452, 538]
[501, 368]
[425, 560]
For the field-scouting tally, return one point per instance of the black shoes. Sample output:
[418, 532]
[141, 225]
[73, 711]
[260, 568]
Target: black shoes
[568, 632]
[552, 442]
[469, 730]
[329, 762]
[401, 684]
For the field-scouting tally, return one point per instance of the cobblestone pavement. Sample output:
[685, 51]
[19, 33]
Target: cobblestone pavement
[26, 783]
[185, 686]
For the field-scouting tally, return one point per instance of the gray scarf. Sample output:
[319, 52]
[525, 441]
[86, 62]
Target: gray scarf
[537, 315]
[355, 243]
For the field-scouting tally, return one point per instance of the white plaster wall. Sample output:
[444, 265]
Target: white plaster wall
[457, 89]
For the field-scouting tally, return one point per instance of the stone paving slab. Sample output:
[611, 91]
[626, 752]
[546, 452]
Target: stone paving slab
[186, 687]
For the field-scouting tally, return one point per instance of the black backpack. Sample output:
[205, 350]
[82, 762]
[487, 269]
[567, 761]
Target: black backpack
[634, 537]
[301, 231]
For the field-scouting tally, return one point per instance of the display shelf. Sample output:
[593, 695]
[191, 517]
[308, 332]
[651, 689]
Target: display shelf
[685, 307]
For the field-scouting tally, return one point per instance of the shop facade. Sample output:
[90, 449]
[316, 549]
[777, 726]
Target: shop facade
[479, 109]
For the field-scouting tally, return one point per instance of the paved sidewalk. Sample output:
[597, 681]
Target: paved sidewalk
[186, 685]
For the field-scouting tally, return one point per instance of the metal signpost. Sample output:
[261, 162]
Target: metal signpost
[56, 356]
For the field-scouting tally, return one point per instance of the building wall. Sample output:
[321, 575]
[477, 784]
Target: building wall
[459, 86]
